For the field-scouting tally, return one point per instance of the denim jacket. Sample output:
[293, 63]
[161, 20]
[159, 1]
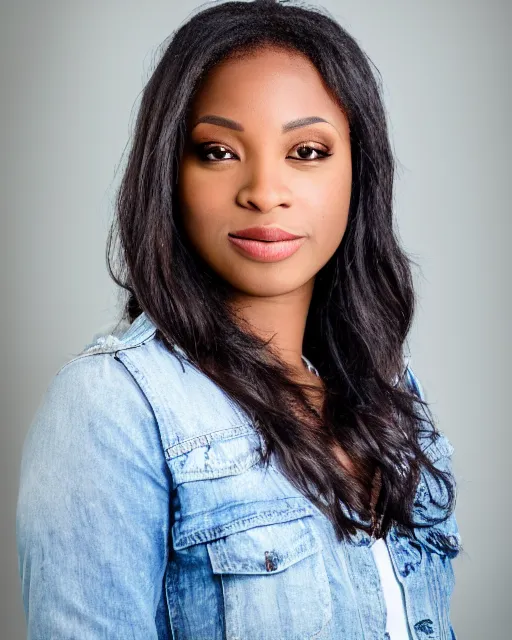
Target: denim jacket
[144, 513]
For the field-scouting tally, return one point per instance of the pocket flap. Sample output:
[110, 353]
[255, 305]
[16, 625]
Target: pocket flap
[217, 454]
[268, 548]
[233, 518]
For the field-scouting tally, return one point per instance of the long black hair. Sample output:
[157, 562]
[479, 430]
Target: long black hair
[363, 298]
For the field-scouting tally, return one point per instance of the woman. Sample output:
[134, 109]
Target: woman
[250, 456]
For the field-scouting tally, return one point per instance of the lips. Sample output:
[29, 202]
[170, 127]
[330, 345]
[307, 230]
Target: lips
[264, 234]
[265, 251]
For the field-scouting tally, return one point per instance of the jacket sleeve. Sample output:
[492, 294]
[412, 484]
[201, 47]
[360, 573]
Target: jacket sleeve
[444, 537]
[92, 512]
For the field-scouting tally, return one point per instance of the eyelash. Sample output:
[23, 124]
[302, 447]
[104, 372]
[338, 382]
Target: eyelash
[203, 151]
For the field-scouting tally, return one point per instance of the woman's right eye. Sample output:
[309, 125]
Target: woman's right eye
[204, 152]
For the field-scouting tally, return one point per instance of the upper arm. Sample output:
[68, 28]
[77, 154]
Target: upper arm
[92, 514]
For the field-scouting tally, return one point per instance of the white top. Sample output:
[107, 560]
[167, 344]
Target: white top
[396, 622]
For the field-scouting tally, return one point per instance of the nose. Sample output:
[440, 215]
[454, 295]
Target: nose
[264, 188]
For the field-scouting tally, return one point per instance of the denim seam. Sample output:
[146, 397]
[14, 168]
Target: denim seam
[263, 517]
[101, 350]
[189, 444]
[219, 472]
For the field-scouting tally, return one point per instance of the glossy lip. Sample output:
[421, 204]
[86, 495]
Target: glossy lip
[268, 234]
[264, 251]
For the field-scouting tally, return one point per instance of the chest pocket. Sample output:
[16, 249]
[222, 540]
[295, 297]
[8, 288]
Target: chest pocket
[259, 548]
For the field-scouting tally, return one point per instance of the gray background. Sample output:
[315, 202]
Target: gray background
[71, 76]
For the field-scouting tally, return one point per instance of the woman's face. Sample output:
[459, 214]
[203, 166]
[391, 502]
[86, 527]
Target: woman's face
[248, 166]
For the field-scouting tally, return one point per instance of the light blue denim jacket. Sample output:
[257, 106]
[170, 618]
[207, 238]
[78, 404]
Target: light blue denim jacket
[144, 513]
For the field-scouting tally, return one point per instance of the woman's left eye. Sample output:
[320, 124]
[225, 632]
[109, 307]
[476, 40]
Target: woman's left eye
[308, 149]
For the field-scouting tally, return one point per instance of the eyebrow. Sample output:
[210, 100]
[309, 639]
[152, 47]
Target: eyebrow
[232, 124]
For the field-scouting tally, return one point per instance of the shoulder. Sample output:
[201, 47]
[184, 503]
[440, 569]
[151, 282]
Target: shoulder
[127, 384]
[101, 366]
[119, 336]
[95, 375]
[99, 382]
[123, 341]
[92, 413]
[94, 398]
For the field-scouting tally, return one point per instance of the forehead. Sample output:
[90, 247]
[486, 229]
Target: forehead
[266, 85]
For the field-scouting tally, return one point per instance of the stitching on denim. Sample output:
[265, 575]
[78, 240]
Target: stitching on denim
[263, 517]
[305, 545]
[219, 472]
[108, 349]
[227, 433]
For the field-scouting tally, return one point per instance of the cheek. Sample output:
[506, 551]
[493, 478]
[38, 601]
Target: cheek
[202, 229]
[201, 205]
[330, 201]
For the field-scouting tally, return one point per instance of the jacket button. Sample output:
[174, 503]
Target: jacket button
[270, 561]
